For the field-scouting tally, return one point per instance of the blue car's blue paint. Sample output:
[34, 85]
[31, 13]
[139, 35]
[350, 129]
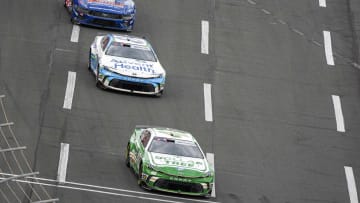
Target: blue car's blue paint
[89, 6]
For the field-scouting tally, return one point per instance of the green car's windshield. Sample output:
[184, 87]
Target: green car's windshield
[175, 147]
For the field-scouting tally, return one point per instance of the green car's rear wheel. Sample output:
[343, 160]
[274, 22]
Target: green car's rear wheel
[127, 159]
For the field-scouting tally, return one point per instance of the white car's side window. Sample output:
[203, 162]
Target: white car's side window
[104, 42]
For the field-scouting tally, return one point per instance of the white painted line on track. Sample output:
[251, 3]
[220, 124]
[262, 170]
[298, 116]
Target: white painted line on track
[252, 2]
[281, 21]
[211, 160]
[356, 65]
[298, 32]
[266, 11]
[97, 191]
[70, 87]
[204, 37]
[340, 125]
[328, 48]
[350, 179]
[316, 43]
[63, 162]
[208, 102]
[75, 34]
[322, 3]
[100, 189]
[64, 50]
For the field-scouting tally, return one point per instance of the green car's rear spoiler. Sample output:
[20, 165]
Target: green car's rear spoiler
[150, 126]
[159, 127]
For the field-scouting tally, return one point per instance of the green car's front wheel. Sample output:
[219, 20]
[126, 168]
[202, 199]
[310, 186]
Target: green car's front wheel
[140, 182]
[127, 159]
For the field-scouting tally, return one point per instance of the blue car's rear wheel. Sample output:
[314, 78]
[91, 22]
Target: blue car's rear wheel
[74, 21]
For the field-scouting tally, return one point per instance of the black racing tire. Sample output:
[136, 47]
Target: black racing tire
[100, 85]
[129, 29]
[208, 195]
[127, 159]
[159, 94]
[140, 182]
[73, 21]
[89, 66]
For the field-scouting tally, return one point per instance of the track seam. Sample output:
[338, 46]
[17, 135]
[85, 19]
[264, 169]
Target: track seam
[353, 63]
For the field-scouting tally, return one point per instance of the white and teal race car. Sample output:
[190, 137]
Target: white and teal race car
[126, 63]
[169, 160]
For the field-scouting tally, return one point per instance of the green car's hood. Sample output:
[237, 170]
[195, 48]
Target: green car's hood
[178, 165]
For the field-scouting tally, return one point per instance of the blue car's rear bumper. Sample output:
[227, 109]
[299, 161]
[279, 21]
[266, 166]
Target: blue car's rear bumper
[110, 23]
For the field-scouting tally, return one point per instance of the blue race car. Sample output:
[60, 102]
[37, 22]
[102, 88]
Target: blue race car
[126, 63]
[112, 14]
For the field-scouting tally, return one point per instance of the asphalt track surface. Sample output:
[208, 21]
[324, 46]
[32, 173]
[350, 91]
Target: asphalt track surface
[273, 132]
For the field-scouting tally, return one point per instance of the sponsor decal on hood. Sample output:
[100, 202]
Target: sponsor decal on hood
[180, 163]
[132, 67]
[127, 5]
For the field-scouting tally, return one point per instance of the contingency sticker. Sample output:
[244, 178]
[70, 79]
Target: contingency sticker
[117, 3]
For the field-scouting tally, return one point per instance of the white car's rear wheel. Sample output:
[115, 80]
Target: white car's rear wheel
[89, 62]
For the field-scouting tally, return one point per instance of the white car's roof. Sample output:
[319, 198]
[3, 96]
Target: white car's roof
[130, 40]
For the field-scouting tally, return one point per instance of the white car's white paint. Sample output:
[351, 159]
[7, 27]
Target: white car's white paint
[134, 70]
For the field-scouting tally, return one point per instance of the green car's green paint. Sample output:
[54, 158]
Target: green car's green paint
[169, 172]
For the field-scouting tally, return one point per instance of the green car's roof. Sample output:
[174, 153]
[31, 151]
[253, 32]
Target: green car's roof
[169, 133]
[173, 133]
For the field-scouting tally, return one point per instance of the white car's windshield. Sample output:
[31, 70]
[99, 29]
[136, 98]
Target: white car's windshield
[130, 51]
[175, 147]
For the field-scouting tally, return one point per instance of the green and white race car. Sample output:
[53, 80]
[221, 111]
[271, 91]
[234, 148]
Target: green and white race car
[169, 160]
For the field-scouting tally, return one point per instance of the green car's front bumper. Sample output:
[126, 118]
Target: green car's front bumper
[200, 186]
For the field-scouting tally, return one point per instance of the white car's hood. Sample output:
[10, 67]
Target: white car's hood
[167, 160]
[132, 67]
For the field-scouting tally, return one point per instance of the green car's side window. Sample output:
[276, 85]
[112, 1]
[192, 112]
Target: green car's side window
[136, 136]
[132, 137]
[145, 137]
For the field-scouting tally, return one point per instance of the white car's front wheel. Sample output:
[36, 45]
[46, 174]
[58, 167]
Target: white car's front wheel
[159, 94]
[98, 83]
[89, 62]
